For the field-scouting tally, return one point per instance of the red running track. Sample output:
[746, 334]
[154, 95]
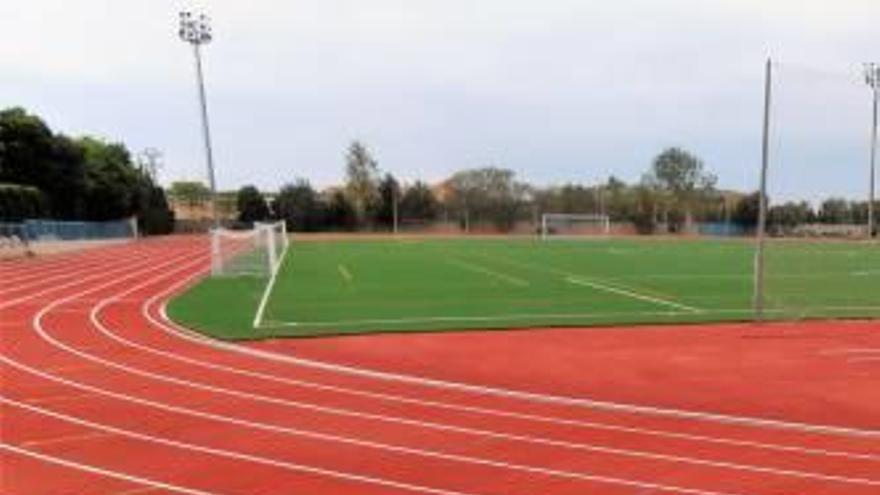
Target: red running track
[102, 394]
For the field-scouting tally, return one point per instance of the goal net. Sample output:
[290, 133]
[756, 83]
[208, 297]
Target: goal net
[572, 225]
[255, 252]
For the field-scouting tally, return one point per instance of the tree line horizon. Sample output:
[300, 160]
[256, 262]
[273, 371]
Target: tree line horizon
[45, 174]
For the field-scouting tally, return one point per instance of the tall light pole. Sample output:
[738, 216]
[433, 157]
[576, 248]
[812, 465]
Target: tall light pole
[872, 77]
[758, 298]
[195, 29]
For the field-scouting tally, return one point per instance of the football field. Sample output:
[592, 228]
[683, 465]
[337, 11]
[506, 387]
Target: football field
[334, 287]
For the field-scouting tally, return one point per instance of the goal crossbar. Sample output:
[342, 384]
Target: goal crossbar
[550, 221]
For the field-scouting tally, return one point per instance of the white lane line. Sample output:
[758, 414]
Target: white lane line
[196, 338]
[291, 466]
[538, 397]
[65, 439]
[264, 299]
[853, 350]
[95, 318]
[473, 267]
[123, 268]
[864, 359]
[57, 398]
[38, 328]
[630, 294]
[12, 449]
[297, 467]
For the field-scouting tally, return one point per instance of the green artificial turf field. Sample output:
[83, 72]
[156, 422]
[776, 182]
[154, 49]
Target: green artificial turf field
[338, 287]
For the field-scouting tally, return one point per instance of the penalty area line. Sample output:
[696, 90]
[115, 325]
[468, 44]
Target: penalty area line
[630, 294]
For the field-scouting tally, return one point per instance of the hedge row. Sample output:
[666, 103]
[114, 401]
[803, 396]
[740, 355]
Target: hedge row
[18, 203]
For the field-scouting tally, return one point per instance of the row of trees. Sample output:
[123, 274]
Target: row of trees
[76, 178]
[674, 193]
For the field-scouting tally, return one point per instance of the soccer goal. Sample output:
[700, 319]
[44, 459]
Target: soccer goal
[255, 252]
[573, 225]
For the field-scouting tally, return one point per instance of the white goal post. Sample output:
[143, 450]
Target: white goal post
[255, 252]
[572, 225]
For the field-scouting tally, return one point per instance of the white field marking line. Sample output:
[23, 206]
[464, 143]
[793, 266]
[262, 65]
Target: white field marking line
[11, 449]
[95, 317]
[551, 316]
[267, 292]
[631, 294]
[37, 326]
[343, 271]
[124, 267]
[291, 466]
[469, 409]
[579, 279]
[486, 271]
[65, 439]
[544, 398]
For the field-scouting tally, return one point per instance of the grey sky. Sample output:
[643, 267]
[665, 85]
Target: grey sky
[557, 90]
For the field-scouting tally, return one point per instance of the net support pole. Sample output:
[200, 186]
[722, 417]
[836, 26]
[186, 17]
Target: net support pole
[875, 83]
[762, 200]
[216, 261]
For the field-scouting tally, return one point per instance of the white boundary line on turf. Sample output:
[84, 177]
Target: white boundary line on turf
[157, 485]
[631, 294]
[553, 316]
[531, 396]
[264, 300]
[473, 267]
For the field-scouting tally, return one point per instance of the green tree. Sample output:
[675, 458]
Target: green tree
[251, 205]
[341, 213]
[192, 193]
[418, 203]
[388, 194]
[683, 176]
[30, 154]
[361, 172]
[299, 205]
[835, 211]
[487, 194]
[112, 182]
[747, 210]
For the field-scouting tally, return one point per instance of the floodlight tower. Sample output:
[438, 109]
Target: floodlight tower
[872, 77]
[195, 29]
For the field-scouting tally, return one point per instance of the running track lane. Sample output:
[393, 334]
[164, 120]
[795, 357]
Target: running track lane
[91, 369]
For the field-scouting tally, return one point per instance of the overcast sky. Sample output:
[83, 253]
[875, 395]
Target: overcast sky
[557, 90]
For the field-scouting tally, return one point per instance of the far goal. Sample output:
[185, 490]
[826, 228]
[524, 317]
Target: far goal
[574, 225]
[255, 252]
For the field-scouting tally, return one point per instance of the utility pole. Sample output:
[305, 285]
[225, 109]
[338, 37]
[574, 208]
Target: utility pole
[762, 201]
[872, 77]
[196, 30]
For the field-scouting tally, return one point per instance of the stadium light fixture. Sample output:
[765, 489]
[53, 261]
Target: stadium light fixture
[195, 29]
[872, 78]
